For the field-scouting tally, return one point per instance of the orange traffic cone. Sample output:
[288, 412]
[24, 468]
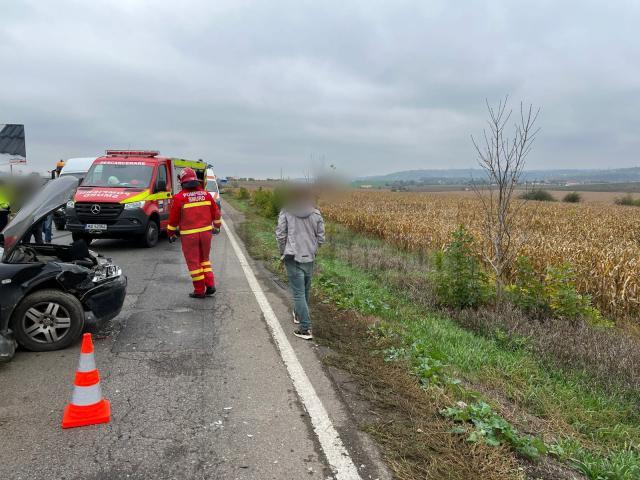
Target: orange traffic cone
[87, 406]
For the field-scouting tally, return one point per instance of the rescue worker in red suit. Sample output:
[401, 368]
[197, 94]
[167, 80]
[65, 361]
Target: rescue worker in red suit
[196, 215]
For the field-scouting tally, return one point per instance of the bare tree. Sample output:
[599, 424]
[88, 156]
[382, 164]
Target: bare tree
[503, 160]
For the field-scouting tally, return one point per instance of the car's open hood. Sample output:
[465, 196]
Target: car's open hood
[53, 195]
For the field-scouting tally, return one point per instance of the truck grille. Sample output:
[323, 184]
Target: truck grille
[108, 211]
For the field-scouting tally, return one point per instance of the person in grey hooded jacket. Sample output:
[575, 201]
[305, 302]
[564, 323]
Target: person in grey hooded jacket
[300, 232]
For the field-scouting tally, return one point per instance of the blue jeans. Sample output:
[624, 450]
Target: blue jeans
[47, 228]
[300, 281]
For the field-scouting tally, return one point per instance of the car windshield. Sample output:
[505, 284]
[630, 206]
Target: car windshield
[212, 186]
[118, 175]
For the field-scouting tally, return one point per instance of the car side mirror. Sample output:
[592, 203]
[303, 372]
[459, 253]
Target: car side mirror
[161, 186]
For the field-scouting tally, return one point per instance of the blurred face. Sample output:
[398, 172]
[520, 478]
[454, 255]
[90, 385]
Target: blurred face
[301, 195]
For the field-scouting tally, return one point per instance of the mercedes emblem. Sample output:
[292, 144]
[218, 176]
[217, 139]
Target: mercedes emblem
[95, 209]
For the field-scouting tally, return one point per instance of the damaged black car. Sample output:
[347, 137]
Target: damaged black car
[49, 294]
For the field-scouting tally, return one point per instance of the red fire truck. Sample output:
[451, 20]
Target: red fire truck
[127, 194]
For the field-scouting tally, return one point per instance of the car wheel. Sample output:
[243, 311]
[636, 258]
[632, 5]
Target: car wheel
[48, 320]
[150, 237]
[81, 236]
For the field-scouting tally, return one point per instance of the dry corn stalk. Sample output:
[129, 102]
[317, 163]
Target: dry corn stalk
[601, 242]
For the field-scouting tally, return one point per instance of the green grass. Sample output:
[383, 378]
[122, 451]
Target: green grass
[594, 430]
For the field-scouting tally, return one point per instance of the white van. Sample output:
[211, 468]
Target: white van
[78, 167]
[212, 185]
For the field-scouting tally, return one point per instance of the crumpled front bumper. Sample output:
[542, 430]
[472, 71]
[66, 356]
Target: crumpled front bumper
[105, 301]
[7, 346]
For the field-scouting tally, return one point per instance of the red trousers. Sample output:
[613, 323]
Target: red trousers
[196, 248]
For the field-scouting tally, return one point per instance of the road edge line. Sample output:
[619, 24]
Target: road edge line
[332, 446]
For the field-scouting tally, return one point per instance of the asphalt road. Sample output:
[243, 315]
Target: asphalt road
[198, 388]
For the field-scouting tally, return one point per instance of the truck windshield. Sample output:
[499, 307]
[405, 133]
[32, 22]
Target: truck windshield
[118, 175]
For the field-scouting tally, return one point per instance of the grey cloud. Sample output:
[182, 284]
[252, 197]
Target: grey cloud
[256, 86]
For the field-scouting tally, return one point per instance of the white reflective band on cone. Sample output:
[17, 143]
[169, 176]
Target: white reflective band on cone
[83, 396]
[87, 362]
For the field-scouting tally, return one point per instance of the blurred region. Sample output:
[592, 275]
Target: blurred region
[272, 195]
[15, 191]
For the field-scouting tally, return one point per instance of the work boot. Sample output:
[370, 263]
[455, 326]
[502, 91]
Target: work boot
[196, 295]
[210, 291]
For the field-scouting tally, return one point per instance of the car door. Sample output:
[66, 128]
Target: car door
[163, 192]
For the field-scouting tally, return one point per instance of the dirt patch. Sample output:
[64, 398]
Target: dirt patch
[416, 440]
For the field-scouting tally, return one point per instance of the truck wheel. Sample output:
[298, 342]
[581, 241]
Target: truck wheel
[150, 237]
[81, 236]
[48, 320]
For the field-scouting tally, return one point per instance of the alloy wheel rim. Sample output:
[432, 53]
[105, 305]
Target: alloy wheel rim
[46, 322]
[153, 234]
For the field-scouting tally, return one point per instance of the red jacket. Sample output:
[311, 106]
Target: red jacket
[193, 211]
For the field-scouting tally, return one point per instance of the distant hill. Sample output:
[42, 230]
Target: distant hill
[434, 176]
[416, 175]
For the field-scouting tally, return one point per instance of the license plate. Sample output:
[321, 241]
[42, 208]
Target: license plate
[95, 226]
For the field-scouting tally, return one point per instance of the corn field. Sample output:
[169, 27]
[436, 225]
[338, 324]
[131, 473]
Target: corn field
[601, 242]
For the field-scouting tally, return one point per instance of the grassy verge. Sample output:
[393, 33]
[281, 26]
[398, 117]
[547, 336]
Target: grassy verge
[491, 390]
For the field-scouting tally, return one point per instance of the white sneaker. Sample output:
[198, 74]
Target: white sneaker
[304, 334]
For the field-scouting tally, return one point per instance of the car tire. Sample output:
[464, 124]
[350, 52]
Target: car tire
[151, 234]
[48, 320]
[81, 236]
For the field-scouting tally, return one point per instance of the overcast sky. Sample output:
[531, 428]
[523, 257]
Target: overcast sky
[372, 87]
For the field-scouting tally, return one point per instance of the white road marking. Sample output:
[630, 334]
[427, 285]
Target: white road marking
[337, 455]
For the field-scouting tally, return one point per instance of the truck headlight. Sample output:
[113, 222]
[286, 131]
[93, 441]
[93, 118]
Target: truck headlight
[71, 204]
[132, 205]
